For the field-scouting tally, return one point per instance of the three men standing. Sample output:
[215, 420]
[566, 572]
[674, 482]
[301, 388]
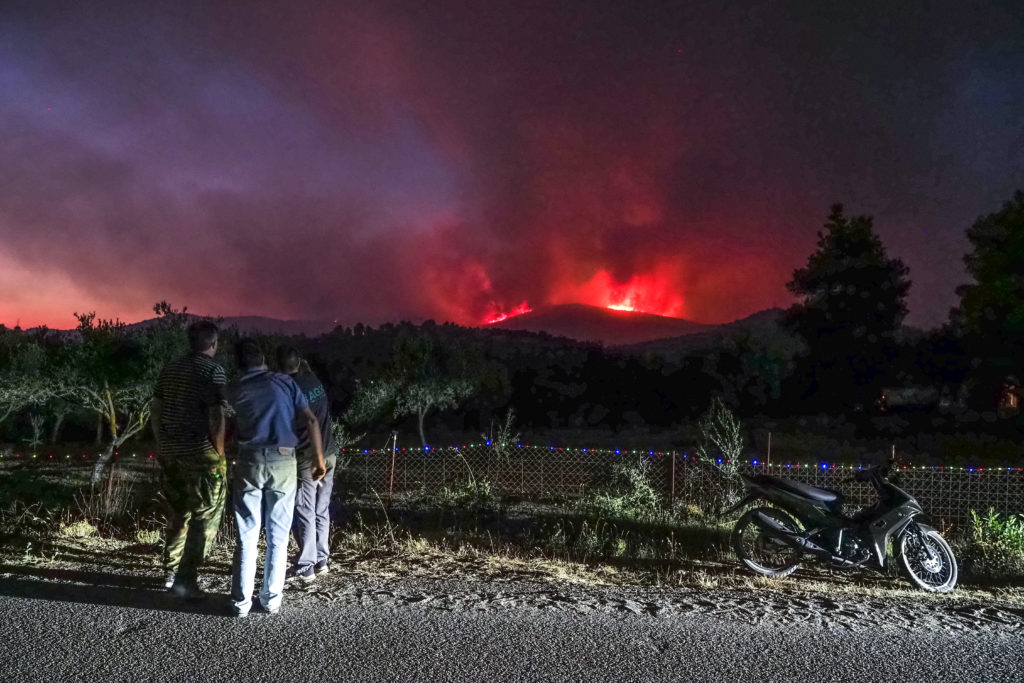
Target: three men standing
[312, 523]
[267, 406]
[188, 416]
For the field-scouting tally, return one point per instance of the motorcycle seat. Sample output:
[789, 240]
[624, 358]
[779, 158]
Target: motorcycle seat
[813, 493]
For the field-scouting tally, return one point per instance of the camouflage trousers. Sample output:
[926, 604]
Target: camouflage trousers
[195, 489]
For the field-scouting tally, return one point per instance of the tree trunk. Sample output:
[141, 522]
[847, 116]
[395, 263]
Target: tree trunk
[421, 415]
[103, 463]
[7, 413]
[99, 430]
[55, 432]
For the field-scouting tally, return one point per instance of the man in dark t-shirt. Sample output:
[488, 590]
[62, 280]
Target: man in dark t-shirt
[311, 524]
[188, 422]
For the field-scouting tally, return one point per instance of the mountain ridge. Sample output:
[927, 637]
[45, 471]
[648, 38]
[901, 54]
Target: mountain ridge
[609, 327]
[589, 324]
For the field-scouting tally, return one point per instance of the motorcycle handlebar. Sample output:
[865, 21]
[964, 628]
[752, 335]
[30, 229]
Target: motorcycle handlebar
[864, 475]
[869, 473]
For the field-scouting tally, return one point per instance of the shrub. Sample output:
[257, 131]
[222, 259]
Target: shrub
[719, 449]
[629, 493]
[467, 493]
[79, 529]
[995, 546]
[148, 536]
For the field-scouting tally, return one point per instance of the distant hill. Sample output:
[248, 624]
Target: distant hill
[256, 323]
[252, 324]
[764, 325]
[638, 332]
[594, 324]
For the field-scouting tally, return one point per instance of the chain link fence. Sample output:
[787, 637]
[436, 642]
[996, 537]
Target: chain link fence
[948, 494]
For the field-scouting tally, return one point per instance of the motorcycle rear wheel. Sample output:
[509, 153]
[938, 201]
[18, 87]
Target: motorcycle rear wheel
[933, 571]
[759, 551]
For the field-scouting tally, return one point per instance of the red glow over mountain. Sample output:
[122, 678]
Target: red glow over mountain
[601, 324]
[653, 293]
[497, 315]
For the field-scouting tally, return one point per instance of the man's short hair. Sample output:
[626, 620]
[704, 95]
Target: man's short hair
[288, 359]
[202, 335]
[248, 353]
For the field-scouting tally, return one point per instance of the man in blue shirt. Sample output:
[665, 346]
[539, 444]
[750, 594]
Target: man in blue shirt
[266, 406]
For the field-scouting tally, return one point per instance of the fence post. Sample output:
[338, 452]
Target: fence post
[542, 488]
[561, 474]
[391, 478]
[522, 473]
[672, 484]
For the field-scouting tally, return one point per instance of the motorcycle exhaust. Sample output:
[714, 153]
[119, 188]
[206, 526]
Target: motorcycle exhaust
[798, 541]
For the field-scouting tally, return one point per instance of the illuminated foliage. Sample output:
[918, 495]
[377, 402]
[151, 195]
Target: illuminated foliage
[113, 370]
[720, 449]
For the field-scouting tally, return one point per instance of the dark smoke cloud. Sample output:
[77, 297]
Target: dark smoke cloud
[410, 160]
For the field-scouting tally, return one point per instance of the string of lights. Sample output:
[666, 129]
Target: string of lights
[440, 451]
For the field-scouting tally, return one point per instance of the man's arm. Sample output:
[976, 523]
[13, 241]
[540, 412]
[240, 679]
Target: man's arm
[313, 425]
[217, 410]
[156, 408]
[218, 428]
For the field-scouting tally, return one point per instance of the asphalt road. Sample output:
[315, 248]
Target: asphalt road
[409, 630]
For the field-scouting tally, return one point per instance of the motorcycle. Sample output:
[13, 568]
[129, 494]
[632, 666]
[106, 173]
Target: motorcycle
[808, 521]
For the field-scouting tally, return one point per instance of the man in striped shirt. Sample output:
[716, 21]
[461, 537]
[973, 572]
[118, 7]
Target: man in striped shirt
[188, 421]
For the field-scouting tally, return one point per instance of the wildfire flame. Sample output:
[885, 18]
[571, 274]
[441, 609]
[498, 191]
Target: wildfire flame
[649, 293]
[654, 292]
[497, 315]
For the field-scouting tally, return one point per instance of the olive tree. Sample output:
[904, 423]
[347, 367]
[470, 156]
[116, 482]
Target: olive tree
[421, 376]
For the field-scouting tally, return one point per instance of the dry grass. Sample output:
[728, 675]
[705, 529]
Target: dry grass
[504, 563]
[358, 553]
[107, 531]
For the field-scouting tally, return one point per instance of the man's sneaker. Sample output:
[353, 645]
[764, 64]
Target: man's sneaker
[169, 581]
[321, 568]
[295, 574]
[187, 591]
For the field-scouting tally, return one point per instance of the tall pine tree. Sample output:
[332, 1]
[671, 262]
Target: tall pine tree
[990, 317]
[852, 302]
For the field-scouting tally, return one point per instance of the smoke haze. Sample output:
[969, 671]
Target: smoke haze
[389, 160]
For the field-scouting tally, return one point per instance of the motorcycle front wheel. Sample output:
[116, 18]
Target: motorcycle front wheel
[928, 560]
[759, 550]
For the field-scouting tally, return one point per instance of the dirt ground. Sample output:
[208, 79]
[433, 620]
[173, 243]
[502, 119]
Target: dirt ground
[468, 579]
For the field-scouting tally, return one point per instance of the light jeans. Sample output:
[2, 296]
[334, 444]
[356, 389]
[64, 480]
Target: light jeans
[264, 495]
[312, 523]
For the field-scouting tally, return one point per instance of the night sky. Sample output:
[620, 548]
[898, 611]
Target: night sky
[395, 160]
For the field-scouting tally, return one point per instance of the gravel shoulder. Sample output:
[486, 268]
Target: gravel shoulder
[94, 611]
